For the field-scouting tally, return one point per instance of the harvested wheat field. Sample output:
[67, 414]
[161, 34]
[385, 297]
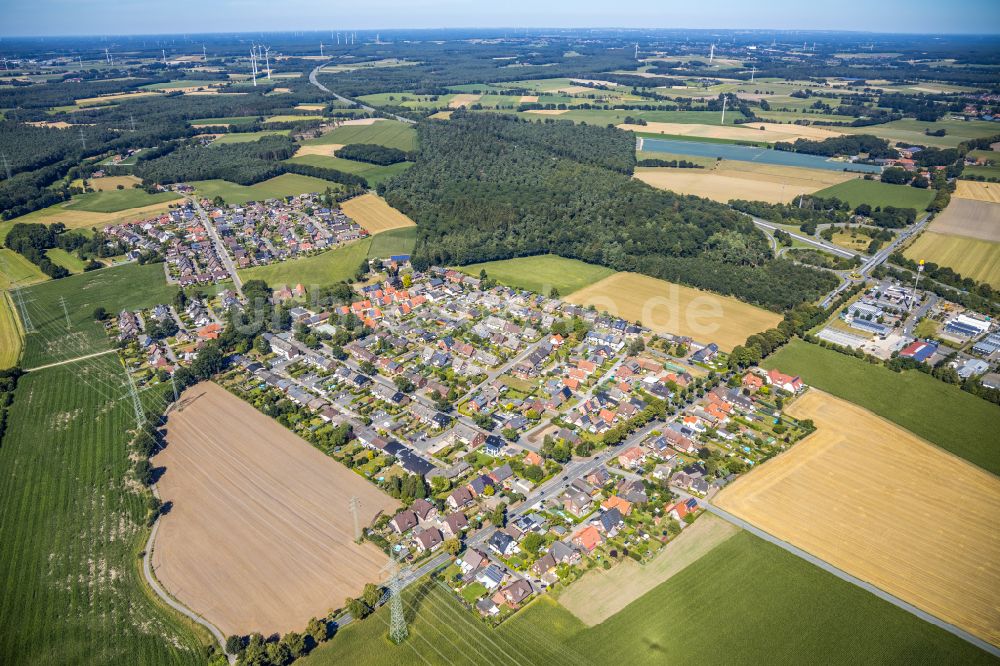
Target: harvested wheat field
[359, 121]
[548, 112]
[441, 115]
[83, 219]
[115, 97]
[112, 182]
[666, 307]
[970, 218]
[259, 536]
[325, 149]
[880, 503]
[968, 189]
[463, 99]
[771, 133]
[528, 99]
[600, 594]
[374, 214]
[730, 179]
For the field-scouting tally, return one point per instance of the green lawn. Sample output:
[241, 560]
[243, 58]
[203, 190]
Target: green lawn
[940, 413]
[15, 268]
[287, 184]
[541, 273]
[67, 260]
[389, 133]
[746, 601]
[393, 242]
[246, 137]
[373, 173]
[877, 193]
[129, 286]
[318, 270]
[72, 529]
[112, 201]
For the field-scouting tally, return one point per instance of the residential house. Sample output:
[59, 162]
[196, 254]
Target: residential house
[503, 544]
[429, 539]
[587, 539]
[404, 521]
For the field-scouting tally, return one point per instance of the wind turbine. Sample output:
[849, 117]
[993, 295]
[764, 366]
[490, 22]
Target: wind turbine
[321, 49]
[637, 50]
[267, 61]
[107, 56]
[164, 52]
[752, 72]
[725, 99]
[253, 66]
[711, 55]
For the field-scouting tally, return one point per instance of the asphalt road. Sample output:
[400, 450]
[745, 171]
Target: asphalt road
[220, 248]
[315, 81]
[822, 245]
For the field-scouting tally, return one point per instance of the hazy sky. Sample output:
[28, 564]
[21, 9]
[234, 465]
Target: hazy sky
[74, 17]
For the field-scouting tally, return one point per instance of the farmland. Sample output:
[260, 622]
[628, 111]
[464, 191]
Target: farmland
[665, 307]
[81, 219]
[729, 179]
[113, 200]
[246, 137]
[389, 133]
[969, 218]
[600, 594]
[967, 189]
[373, 173]
[374, 214]
[828, 496]
[541, 273]
[72, 591]
[875, 193]
[911, 132]
[319, 269]
[933, 410]
[128, 286]
[395, 242]
[977, 259]
[258, 537]
[287, 184]
[743, 579]
[756, 132]
[67, 260]
[15, 267]
[11, 337]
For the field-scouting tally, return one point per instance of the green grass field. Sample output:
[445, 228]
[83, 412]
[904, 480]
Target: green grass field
[246, 137]
[112, 201]
[15, 268]
[617, 116]
[69, 261]
[389, 133]
[746, 601]
[911, 131]
[11, 338]
[318, 270]
[876, 193]
[72, 529]
[373, 173]
[971, 257]
[991, 171]
[180, 83]
[940, 413]
[287, 184]
[393, 242]
[541, 273]
[129, 286]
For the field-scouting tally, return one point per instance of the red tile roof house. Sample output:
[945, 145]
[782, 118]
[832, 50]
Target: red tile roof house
[404, 521]
[632, 458]
[752, 381]
[588, 538]
[783, 381]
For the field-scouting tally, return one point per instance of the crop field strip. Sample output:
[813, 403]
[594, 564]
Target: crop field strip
[541, 273]
[876, 193]
[374, 214]
[320, 269]
[11, 334]
[831, 495]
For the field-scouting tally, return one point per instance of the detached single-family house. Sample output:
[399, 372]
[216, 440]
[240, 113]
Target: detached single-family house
[429, 539]
[404, 521]
[503, 544]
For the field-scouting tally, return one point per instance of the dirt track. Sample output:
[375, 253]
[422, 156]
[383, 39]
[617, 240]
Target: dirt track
[259, 536]
[883, 505]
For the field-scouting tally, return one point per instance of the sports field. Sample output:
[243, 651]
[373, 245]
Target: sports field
[287, 184]
[11, 336]
[730, 179]
[374, 214]
[259, 536]
[758, 132]
[880, 503]
[970, 257]
[72, 525]
[665, 307]
[319, 269]
[389, 133]
[744, 597]
[541, 273]
[859, 191]
[967, 189]
[970, 218]
[600, 594]
[938, 412]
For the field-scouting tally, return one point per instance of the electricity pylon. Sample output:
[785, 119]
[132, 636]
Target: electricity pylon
[355, 506]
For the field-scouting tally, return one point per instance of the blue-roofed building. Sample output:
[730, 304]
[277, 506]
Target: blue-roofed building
[400, 258]
[919, 351]
[870, 326]
[961, 329]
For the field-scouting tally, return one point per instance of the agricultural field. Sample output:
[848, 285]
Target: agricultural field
[114, 200]
[107, 182]
[990, 172]
[859, 191]
[317, 270]
[731, 179]
[393, 243]
[742, 580]
[374, 214]
[73, 524]
[223, 122]
[291, 118]
[970, 218]
[11, 336]
[129, 286]
[287, 184]
[665, 307]
[373, 173]
[756, 132]
[911, 132]
[702, 119]
[67, 260]
[970, 257]
[967, 189]
[246, 137]
[258, 537]
[541, 273]
[83, 219]
[600, 594]
[940, 413]
[15, 268]
[831, 496]
[389, 133]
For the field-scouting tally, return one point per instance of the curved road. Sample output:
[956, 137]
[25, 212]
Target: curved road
[313, 80]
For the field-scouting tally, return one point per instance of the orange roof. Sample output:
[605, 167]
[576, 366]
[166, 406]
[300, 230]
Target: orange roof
[620, 503]
[209, 332]
[570, 383]
[588, 538]
[631, 454]
[607, 415]
[533, 458]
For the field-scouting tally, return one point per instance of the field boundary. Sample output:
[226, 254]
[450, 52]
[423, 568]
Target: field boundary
[843, 575]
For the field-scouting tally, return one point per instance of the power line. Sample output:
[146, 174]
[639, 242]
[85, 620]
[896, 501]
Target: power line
[62, 302]
[355, 505]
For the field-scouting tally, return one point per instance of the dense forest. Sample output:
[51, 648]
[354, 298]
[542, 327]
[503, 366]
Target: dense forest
[488, 187]
[851, 144]
[372, 154]
[813, 210]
